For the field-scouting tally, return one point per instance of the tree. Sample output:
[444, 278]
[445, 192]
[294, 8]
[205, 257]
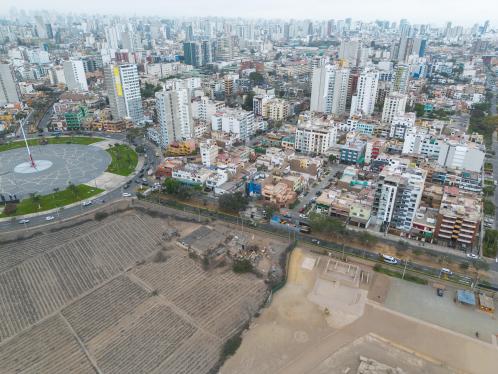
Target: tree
[256, 78]
[419, 109]
[248, 101]
[35, 199]
[332, 158]
[489, 208]
[149, 90]
[171, 185]
[233, 202]
[73, 189]
[326, 224]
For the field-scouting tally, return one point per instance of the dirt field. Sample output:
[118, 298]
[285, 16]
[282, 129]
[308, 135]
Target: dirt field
[293, 336]
[96, 298]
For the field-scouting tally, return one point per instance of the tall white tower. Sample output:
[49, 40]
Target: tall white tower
[363, 103]
[329, 89]
[74, 74]
[123, 88]
[175, 116]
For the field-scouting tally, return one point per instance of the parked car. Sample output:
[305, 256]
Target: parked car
[23, 221]
[389, 259]
[472, 256]
[126, 194]
[316, 241]
[87, 203]
[49, 218]
[440, 292]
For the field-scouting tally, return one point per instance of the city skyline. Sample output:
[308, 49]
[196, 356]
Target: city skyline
[425, 12]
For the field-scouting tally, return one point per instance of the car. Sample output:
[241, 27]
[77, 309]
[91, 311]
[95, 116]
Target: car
[446, 271]
[316, 241]
[389, 259]
[23, 221]
[49, 218]
[472, 256]
[318, 193]
[87, 203]
[126, 194]
[302, 210]
[303, 216]
[440, 292]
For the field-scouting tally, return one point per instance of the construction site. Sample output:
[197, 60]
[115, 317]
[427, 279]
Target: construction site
[332, 317]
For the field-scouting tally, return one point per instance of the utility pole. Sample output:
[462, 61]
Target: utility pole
[404, 270]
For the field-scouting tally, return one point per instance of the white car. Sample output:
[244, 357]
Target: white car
[87, 203]
[49, 218]
[126, 194]
[389, 259]
[22, 221]
[472, 256]
[303, 215]
[446, 271]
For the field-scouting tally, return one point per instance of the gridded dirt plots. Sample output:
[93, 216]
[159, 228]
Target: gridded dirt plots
[105, 306]
[92, 300]
[205, 296]
[45, 348]
[37, 287]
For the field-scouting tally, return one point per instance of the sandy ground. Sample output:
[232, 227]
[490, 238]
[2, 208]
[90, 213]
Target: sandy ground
[292, 336]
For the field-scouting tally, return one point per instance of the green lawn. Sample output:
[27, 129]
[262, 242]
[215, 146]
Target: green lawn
[55, 140]
[57, 199]
[124, 160]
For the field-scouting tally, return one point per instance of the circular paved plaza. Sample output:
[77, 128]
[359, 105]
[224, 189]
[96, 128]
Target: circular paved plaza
[59, 164]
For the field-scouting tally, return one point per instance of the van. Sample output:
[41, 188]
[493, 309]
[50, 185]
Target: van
[389, 259]
[446, 271]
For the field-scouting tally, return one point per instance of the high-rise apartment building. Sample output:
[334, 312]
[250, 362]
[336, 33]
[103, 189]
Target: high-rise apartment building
[234, 121]
[398, 195]
[401, 78]
[175, 116]
[9, 89]
[329, 89]
[315, 137]
[198, 53]
[74, 74]
[123, 89]
[394, 105]
[363, 103]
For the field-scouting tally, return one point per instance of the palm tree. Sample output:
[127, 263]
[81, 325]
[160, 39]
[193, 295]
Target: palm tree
[73, 189]
[35, 198]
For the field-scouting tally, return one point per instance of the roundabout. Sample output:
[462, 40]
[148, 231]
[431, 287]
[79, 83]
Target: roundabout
[56, 167]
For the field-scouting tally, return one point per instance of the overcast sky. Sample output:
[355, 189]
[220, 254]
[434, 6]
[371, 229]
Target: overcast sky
[466, 12]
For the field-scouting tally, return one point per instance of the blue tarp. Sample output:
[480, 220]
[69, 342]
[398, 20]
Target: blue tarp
[466, 297]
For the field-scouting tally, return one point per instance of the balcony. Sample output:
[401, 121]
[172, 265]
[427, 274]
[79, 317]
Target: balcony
[444, 236]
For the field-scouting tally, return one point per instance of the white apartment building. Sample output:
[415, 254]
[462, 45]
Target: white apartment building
[421, 143]
[400, 125]
[74, 76]
[234, 121]
[209, 152]
[259, 103]
[276, 109]
[394, 105]
[401, 78]
[398, 195]
[349, 51]
[363, 103]
[9, 89]
[315, 137]
[204, 109]
[329, 89]
[56, 75]
[123, 89]
[461, 155]
[174, 115]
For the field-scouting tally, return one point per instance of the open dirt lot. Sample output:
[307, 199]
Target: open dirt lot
[97, 298]
[294, 335]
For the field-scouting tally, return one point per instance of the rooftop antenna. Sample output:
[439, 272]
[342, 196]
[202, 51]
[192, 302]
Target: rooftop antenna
[33, 165]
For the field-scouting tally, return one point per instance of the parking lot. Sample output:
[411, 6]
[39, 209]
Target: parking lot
[422, 302]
